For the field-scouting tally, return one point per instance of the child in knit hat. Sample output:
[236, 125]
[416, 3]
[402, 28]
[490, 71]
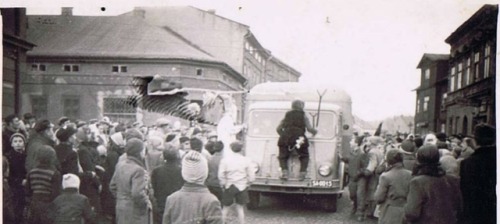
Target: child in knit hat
[193, 203]
[71, 206]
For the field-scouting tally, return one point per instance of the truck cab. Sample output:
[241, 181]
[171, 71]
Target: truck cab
[266, 105]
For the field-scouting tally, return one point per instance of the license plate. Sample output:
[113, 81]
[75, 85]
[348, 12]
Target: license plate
[322, 183]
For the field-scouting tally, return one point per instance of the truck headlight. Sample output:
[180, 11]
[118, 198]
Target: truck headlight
[324, 170]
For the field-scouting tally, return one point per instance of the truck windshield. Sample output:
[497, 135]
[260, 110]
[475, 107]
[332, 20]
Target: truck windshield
[264, 123]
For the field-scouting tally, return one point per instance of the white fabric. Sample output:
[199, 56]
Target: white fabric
[70, 181]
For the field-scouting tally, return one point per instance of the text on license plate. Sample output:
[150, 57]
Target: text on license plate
[322, 183]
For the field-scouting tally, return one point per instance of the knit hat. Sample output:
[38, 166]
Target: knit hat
[484, 134]
[18, 135]
[194, 168]
[134, 147]
[196, 144]
[393, 156]
[133, 133]
[408, 146]
[70, 181]
[63, 134]
[236, 146]
[428, 154]
[43, 125]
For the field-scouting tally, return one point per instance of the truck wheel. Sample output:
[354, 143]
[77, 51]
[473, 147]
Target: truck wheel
[329, 203]
[254, 197]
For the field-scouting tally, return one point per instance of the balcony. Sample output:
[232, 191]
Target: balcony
[468, 95]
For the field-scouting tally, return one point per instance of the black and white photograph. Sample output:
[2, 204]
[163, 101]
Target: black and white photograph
[239, 111]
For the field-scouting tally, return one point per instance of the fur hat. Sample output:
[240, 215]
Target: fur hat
[428, 154]
[408, 146]
[70, 181]
[63, 134]
[393, 156]
[194, 168]
[484, 134]
[134, 147]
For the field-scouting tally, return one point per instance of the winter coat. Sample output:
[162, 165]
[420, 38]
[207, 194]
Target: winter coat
[391, 193]
[71, 208]
[90, 183]
[130, 186]
[191, 205]
[478, 185]
[291, 128]
[36, 141]
[67, 157]
[166, 180]
[409, 160]
[433, 200]
[213, 170]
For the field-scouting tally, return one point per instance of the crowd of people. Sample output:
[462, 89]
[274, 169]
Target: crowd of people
[424, 179]
[99, 171]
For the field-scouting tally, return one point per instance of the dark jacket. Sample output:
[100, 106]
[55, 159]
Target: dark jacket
[409, 160]
[36, 141]
[166, 180]
[293, 126]
[478, 182]
[433, 200]
[17, 171]
[71, 208]
[89, 185]
[67, 157]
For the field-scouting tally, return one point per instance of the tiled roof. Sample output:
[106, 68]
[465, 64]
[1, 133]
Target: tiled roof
[433, 57]
[107, 36]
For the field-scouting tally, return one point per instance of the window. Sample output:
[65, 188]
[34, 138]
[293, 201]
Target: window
[71, 68]
[199, 72]
[467, 72]
[443, 100]
[39, 106]
[119, 68]
[452, 79]
[487, 52]
[459, 76]
[38, 67]
[426, 103]
[427, 74]
[418, 105]
[71, 106]
[118, 109]
[476, 66]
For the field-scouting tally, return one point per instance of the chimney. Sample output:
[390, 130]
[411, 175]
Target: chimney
[67, 11]
[211, 11]
[140, 13]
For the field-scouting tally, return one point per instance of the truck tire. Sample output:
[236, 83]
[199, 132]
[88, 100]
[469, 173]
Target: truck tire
[329, 203]
[254, 197]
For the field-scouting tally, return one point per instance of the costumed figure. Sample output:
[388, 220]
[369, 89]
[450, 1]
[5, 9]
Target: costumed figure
[292, 138]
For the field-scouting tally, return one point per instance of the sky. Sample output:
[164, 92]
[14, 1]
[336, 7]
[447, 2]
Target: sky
[368, 48]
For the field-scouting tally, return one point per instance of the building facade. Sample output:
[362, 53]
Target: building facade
[83, 66]
[472, 75]
[429, 112]
[15, 47]
[225, 39]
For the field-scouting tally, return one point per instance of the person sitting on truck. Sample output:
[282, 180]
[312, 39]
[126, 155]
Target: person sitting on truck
[292, 138]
